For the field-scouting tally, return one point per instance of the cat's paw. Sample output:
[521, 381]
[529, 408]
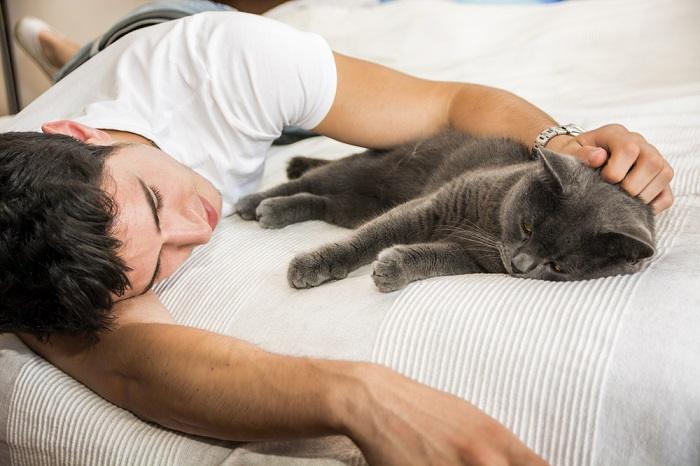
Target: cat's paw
[388, 271]
[274, 212]
[311, 269]
[296, 167]
[245, 207]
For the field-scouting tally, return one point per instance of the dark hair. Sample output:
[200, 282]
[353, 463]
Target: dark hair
[58, 259]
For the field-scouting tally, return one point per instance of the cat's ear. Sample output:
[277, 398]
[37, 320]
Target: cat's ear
[633, 241]
[561, 169]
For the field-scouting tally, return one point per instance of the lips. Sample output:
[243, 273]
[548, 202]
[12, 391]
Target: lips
[212, 216]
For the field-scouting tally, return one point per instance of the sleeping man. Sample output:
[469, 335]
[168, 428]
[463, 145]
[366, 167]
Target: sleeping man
[115, 174]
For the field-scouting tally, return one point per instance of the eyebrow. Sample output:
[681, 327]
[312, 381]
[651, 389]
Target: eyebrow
[156, 220]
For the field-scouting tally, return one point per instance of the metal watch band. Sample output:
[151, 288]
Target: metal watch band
[544, 137]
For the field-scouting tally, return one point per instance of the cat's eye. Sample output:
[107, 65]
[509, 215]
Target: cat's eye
[556, 267]
[528, 228]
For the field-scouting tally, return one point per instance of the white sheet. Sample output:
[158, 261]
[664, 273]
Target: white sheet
[602, 372]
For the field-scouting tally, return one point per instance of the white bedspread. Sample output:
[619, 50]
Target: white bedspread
[603, 372]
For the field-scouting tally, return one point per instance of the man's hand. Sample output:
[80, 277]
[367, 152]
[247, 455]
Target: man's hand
[627, 158]
[399, 422]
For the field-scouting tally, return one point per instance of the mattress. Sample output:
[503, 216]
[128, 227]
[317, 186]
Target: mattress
[600, 372]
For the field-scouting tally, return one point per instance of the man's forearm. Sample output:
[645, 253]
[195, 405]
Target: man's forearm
[207, 384]
[487, 111]
[216, 386]
[376, 106]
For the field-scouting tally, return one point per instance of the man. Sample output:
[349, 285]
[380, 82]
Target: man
[179, 118]
[58, 56]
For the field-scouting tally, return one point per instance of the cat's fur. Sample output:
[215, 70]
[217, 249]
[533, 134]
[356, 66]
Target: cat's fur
[455, 204]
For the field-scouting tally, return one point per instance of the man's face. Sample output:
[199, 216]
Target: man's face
[164, 208]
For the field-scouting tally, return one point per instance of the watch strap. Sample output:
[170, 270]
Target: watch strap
[547, 134]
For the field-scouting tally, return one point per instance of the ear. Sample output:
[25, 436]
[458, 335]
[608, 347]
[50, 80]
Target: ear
[634, 242]
[86, 134]
[560, 168]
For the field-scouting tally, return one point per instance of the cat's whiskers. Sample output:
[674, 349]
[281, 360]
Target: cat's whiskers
[476, 243]
[409, 156]
[473, 229]
[476, 236]
[473, 236]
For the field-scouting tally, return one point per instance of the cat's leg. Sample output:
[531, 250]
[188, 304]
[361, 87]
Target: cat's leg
[345, 210]
[299, 165]
[278, 212]
[352, 210]
[405, 224]
[247, 205]
[399, 265]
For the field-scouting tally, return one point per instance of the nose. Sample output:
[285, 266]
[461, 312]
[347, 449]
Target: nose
[188, 229]
[523, 263]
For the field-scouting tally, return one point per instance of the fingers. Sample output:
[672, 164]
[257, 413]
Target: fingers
[625, 149]
[658, 183]
[590, 155]
[635, 164]
[594, 157]
[621, 145]
[663, 201]
[622, 159]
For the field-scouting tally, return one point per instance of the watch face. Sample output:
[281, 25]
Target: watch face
[572, 129]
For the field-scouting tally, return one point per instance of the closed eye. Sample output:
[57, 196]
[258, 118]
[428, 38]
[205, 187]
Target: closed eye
[158, 197]
[155, 200]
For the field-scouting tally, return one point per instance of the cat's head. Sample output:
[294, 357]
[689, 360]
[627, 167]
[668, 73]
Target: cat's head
[563, 222]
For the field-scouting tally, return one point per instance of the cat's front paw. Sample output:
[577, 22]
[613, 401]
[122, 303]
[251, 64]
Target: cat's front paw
[311, 269]
[245, 207]
[388, 271]
[275, 212]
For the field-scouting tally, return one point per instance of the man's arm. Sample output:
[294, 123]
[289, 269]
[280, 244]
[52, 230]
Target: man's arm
[208, 384]
[378, 107]
[196, 381]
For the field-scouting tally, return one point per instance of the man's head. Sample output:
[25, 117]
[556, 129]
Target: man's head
[86, 221]
[57, 254]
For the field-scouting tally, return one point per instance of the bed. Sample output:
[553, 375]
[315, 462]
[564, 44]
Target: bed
[601, 372]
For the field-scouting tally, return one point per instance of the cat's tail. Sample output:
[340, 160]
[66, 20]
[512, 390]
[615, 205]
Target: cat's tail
[299, 165]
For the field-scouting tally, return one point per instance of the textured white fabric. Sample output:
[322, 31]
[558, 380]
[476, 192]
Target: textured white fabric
[244, 75]
[602, 372]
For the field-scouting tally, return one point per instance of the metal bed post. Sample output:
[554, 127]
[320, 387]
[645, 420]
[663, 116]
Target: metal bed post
[8, 61]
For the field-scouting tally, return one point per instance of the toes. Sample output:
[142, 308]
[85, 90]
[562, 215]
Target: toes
[388, 273]
[270, 215]
[245, 207]
[306, 271]
[296, 167]
[309, 270]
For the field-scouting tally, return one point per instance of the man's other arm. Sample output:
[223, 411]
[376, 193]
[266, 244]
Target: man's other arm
[376, 106]
[208, 384]
[196, 381]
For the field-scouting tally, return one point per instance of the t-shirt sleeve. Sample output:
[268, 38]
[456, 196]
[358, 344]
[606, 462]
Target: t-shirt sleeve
[263, 74]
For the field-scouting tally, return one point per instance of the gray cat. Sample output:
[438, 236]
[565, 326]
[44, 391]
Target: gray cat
[455, 204]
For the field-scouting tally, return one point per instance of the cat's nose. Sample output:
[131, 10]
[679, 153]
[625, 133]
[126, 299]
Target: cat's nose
[523, 263]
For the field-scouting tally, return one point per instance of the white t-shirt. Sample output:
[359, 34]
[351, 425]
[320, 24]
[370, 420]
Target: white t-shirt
[213, 90]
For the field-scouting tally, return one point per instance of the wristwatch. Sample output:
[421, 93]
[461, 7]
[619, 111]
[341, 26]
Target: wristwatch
[543, 138]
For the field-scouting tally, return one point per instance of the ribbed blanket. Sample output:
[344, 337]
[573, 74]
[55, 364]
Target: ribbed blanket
[601, 372]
